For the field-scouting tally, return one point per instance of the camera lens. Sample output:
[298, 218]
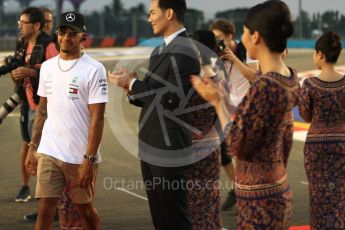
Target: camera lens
[9, 106]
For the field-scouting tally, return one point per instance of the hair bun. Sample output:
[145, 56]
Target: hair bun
[329, 44]
[287, 29]
[335, 37]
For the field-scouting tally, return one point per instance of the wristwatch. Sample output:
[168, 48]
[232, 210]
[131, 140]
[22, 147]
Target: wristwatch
[32, 144]
[91, 158]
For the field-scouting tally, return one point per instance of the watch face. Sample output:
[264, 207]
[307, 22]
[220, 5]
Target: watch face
[93, 158]
[90, 158]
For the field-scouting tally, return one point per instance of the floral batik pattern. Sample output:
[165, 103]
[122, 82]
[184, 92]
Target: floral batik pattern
[203, 175]
[261, 139]
[323, 104]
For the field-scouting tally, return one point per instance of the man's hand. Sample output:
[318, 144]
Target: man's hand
[122, 78]
[228, 55]
[22, 72]
[31, 161]
[85, 174]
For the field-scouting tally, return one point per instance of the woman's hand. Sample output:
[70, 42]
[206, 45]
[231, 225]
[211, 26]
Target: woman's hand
[207, 89]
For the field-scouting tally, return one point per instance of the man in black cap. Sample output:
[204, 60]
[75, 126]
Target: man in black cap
[68, 129]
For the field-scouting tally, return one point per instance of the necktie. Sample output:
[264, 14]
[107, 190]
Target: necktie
[161, 47]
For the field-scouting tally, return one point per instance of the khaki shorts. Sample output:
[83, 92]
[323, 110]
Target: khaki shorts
[54, 175]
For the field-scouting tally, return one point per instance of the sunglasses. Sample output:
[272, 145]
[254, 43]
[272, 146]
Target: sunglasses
[63, 32]
[23, 22]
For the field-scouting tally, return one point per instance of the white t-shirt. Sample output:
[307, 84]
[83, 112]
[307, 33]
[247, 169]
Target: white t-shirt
[65, 132]
[238, 85]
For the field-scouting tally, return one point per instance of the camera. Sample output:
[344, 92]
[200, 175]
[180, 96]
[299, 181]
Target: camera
[12, 62]
[220, 49]
[9, 106]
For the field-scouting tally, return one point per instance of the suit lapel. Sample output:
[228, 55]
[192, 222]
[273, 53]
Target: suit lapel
[159, 58]
[153, 58]
[168, 49]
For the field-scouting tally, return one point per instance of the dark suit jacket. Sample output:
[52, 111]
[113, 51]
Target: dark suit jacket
[162, 96]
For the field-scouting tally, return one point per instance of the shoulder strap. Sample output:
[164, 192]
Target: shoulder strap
[39, 50]
[37, 58]
[241, 52]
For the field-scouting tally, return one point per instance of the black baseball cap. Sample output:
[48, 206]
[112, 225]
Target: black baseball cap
[73, 20]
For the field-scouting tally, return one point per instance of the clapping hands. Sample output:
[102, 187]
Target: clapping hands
[120, 77]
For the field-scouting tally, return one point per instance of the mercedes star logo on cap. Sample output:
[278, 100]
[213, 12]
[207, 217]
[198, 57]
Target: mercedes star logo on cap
[70, 17]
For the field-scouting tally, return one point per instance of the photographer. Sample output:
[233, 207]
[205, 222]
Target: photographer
[240, 68]
[37, 47]
[240, 71]
[11, 63]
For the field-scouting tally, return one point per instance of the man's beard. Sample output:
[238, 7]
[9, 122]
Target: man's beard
[67, 51]
[25, 37]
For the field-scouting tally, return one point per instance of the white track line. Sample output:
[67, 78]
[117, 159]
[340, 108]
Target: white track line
[300, 135]
[303, 182]
[131, 193]
[14, 115]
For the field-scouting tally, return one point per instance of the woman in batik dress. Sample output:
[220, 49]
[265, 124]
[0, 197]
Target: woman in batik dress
[261, 133]
[322, 102]
[203, 174]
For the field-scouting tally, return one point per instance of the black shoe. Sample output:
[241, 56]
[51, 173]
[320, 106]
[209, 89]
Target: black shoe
[230, 201]
[23, 195]
[33, 217]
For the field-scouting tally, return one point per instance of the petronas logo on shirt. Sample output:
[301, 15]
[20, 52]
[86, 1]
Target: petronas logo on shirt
[49, 77]
[75, 80]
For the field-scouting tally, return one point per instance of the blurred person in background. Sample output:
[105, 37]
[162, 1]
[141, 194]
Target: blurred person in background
[49, 20]
[38, 47]
[239, 70]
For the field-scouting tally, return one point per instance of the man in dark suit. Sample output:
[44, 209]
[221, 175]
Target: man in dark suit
[165, 133]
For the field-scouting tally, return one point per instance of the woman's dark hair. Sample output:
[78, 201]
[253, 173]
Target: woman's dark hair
[178, 6]
[35, 15]
[272, 19]
[329, 44]
[206, 43]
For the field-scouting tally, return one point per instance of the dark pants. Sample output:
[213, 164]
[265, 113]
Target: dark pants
[225, 157]
[167, 195]
[25, 122]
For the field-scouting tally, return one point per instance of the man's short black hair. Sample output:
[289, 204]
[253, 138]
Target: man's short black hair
[224, 25]
[35, 15]
[178, 6]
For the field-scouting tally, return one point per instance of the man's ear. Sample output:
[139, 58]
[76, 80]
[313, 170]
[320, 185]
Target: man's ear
[83, 38]
[169, 13]
[37, 26]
